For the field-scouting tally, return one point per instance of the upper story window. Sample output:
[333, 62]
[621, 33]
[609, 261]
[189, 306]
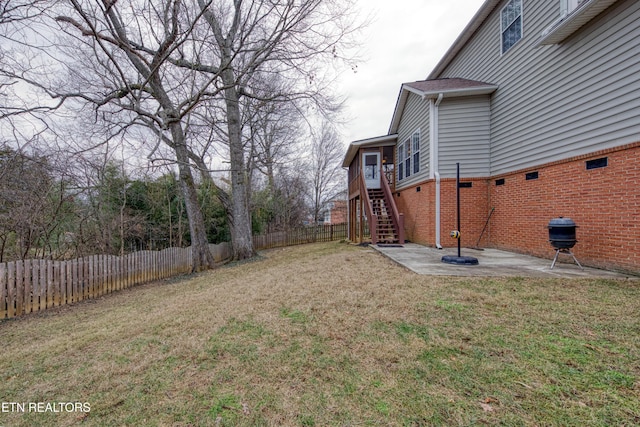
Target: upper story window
[408, 152]
[511, 24]
[574, 14]
[415, 144]
[404, 160]
[401, 162]
[407, 158]
[568, 6]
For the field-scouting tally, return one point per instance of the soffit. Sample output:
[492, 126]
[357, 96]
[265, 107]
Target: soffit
[378, 141]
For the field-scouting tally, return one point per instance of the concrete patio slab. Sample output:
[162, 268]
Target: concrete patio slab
[491, 262]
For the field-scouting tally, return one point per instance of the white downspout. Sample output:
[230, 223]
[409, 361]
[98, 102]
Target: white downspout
[434, 161]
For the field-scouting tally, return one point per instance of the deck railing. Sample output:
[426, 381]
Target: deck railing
[371, 217]
[397, 218]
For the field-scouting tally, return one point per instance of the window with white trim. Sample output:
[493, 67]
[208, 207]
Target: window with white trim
[400, 162]
[568, 6]
[407, 158]
[415, 145]
[511, 24]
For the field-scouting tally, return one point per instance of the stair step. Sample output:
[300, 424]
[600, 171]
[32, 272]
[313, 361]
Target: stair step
[385, 228]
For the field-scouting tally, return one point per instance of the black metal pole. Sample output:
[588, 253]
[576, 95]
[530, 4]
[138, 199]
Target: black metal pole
[458, 202]
[460, 260]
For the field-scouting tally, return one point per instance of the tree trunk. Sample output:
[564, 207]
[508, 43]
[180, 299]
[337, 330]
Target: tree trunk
[202, 257]
[240, 220]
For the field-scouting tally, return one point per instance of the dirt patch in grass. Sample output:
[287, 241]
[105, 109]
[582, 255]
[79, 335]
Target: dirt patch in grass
[332, 334]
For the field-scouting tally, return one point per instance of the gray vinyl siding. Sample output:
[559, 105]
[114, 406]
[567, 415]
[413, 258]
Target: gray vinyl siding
[415, 117]
[557, 101]
[464, 136]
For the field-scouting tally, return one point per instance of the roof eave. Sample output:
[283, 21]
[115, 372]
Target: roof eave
[447, 93]
[481, 15]
[363, 143]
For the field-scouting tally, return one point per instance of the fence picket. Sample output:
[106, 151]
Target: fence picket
[34, 285]
[129, 269]
[32, 274]
[118, 273]
[28, 285]
[77, 280]
[100, 268]
[3, 290]
[61, 275]
[19, 287]
[111, 273]
[43, 284]
[101, 279]
[49, 266]
[11, 289]
[69, 280]
[84, 268]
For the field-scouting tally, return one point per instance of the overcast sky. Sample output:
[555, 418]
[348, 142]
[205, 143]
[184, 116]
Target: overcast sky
[404, 43]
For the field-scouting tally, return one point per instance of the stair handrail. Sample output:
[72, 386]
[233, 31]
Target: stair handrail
[396, 217]
[373, 218]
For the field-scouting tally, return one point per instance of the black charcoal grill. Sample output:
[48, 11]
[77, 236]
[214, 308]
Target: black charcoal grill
[562, 236]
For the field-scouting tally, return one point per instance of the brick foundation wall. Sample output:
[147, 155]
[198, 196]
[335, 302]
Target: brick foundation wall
[419, 210]
[604, 202]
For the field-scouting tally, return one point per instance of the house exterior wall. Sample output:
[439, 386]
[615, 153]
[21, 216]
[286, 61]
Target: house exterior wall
[464, 128]
[337, 212]
[562, 100]
[556, 107]
[464, 135]
[419, 211]
[602, 202]
[415, 117]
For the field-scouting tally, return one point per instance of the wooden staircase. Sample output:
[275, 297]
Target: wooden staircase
[386, 231]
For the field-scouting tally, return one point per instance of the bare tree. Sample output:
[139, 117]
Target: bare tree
[167, 65]
[275, 136]
[34, 205]
[327, 178]
[131, 45]
[253, 40]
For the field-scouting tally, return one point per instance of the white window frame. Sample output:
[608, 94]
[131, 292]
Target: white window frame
[407, 158]
[415, 145]
[401, 175]
[568, 6]
[510, 21]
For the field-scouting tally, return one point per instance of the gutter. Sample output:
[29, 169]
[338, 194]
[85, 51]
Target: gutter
[433, 157]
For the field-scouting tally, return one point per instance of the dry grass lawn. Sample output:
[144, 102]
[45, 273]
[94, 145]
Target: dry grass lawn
[331, 335]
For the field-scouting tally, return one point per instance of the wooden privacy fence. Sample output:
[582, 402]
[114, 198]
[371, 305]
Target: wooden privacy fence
[28, 286]
[298, 236]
